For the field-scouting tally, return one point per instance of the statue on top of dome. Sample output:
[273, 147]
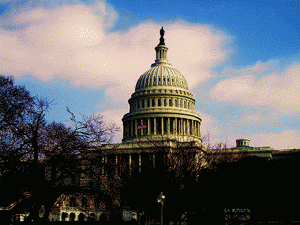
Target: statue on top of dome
[162, 33]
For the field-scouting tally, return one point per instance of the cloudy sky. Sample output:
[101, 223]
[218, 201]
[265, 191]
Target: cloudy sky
[241, 59]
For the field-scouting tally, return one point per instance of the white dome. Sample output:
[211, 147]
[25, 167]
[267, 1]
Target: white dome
[161, 76]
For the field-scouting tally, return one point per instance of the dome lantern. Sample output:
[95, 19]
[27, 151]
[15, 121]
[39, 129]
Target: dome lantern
[161, 51]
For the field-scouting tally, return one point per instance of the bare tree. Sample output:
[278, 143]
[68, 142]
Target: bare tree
[50, 151]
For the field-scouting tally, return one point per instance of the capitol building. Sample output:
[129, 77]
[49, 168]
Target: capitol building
[161, 120]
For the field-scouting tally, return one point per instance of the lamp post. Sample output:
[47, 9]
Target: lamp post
[161, 199]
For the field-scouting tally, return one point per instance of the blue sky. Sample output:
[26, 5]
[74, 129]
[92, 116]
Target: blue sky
[240, 59]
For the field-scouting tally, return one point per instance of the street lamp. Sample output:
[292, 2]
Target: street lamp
[161, 199]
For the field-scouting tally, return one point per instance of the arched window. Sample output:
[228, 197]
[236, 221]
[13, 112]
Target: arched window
[170, 102]
[64, 216]
[81, 217]
[72, 217]
[148, 103]
[92, 217]
[176, 103]
[165, 102]
[159, 102]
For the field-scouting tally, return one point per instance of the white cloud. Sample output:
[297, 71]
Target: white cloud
[286, 139]
[49, 46]
[276, 90]
[253, 118]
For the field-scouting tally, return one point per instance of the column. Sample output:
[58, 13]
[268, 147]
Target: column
[181, 126]
[135, 127]
[130, 167]
[162, 125]
[175, 126]
[168, 126]
[142, 130]
[148, 128]
[131, 128]
[154, 130]
[153, 160]
[184, 126]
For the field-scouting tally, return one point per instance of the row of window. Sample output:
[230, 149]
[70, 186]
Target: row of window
[182, 92]
[145, 83]
[146, 103]
[81, 217]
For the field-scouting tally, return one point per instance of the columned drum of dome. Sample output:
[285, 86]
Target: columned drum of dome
[161, 106]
